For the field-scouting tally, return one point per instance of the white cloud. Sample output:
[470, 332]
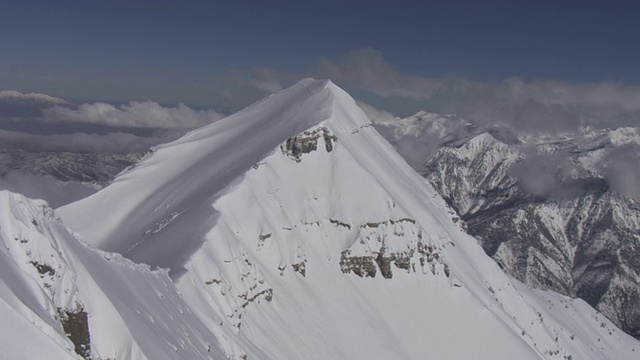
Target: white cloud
[15, 105]
[367, 69]
[621, 169]
[545, 174]
[534, 105]
[41, 123]
[374, 114]
[145, 114]
[264, 80]
[30, 98]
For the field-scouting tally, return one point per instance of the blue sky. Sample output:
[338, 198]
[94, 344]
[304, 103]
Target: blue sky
[194, 51]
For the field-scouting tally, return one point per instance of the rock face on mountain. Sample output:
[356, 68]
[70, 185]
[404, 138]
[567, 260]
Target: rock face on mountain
[542, 207]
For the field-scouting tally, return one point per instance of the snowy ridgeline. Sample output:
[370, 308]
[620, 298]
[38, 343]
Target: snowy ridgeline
[292, 230]
[77, 300]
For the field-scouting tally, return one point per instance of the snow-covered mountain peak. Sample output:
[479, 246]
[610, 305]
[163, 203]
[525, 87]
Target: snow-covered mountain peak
[200, 166]
[283, 114]
[294, 230]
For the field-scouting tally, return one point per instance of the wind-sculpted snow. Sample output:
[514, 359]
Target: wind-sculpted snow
[65, 298]
[165, 183]
[293, 230]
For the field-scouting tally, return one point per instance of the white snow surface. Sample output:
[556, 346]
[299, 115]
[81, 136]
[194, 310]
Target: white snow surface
[133, 313]
[265, 244]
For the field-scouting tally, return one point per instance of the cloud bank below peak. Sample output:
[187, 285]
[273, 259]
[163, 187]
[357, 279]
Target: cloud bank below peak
[42, 123]
[143, 114]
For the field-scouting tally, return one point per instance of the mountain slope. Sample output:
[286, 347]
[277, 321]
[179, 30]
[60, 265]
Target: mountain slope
[294, 230]
[542, 206]
[63, 297]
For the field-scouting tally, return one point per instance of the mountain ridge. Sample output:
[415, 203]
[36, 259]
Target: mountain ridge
[223, 174]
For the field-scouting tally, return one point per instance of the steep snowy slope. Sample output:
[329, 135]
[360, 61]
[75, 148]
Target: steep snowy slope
[564, 226]
[30, 322]
[60, 299]
[294, 231]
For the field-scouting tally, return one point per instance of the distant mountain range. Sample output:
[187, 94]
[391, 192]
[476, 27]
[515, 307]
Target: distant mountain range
[98, 169]
[541, 206]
